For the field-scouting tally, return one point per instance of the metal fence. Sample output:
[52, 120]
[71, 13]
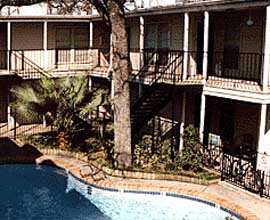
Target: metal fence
[241, 171]
[13, 126]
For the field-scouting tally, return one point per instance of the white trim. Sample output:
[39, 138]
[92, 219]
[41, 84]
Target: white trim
[244, 96]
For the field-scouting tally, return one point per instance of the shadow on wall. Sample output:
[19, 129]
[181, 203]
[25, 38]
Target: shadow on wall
[10, 150]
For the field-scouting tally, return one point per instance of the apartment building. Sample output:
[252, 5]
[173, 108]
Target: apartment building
[198, 62]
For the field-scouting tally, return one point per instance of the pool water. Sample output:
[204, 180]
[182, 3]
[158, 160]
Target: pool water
[42, 192]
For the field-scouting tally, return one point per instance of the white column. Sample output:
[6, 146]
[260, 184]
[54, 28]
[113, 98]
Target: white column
[141, 44]
[205, 43]
[91, 42]
[183, 116]
[72, 50]
[91, 34]
[141, 40]
[261, 144]
[8, 45]
[90, 83]
[266, 51]
[202, 117]
[110, 71]
[185, 46]
[45, 44]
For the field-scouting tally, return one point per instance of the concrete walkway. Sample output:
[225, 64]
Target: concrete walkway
[259, 206]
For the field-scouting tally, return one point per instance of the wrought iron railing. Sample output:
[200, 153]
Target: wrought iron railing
[245, 66]
[163, 64]
[241, 171]
[14, 125]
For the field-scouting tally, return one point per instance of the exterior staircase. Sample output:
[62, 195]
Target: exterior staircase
[156, 94]
[26, 68]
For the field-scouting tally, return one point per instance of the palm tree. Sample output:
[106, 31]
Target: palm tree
[113, 13]
[65, 102]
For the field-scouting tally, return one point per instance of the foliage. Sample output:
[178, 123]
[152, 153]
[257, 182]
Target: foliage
[148, 158]
[65, 103]
[191, 157]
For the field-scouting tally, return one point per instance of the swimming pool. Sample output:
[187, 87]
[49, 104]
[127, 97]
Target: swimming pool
[43, 192]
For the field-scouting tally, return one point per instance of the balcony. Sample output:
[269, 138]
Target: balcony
[239, 66]
[56, 62]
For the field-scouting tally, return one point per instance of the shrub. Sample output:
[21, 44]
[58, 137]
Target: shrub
[191, 157]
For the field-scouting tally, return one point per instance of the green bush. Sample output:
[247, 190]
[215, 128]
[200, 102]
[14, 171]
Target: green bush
[147, 158]
[191, 157]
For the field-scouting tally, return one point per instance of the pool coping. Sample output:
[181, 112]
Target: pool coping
[106, 184]
[127, 173]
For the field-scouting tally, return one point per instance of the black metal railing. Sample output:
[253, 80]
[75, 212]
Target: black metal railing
[245, 66]
[157, 62]
[241, 171]
[14, 125]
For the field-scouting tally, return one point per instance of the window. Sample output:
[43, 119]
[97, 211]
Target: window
[156, 36]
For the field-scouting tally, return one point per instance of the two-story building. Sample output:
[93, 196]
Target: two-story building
[193, 62]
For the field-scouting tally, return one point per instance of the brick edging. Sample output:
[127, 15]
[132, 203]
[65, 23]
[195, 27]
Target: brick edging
[128, 174]
[75, 171]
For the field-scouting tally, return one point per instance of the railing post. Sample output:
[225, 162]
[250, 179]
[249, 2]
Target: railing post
[262, 183]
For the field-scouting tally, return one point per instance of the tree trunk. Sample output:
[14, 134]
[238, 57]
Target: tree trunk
[121, 70]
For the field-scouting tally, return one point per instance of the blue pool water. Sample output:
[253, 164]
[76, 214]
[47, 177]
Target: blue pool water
[34, 192]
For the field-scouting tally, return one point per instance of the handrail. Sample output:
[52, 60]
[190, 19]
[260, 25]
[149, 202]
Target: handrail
[156, 79]
[29, 62]
[145, 65]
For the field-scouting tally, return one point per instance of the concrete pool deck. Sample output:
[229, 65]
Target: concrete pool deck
[246, 204]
